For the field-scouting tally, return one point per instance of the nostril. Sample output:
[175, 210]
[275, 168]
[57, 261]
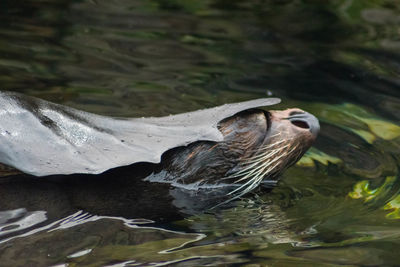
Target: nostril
[304, 120]
[297, 112]
[301, 124]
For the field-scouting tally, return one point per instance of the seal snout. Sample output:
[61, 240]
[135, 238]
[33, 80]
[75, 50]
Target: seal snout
[304, 120]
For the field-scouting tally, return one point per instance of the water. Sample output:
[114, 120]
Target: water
[338, 60]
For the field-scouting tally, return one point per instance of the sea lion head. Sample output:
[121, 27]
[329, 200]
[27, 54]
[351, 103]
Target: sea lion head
[258, 146]
[267, 143]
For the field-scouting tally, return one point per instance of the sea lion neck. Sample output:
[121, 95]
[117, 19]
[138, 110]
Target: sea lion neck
[246, 129]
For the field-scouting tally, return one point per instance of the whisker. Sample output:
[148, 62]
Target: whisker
[250, 180]
[267, 146]
[240, 187]
[248, 170]
[252, 170]
[260, 156]
[259, 170]
[270, 145]
[258, 166]
[254, 162]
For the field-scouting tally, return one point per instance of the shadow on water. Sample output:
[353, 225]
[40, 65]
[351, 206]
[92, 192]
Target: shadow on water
[338, 60]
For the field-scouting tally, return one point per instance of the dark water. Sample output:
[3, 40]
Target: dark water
[340, 60]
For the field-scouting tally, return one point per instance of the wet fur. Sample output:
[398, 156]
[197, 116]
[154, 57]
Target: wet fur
[207, 162]
[254, 150]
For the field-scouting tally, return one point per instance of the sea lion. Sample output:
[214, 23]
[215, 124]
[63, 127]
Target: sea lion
[257, 147]
[212, 157]
[42, 138]
[248, 145]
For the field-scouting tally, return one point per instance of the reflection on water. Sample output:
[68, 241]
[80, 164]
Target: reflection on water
[16, 220]
[338, 60]
[86, 239]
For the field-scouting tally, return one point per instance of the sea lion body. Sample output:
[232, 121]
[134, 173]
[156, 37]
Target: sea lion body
[188, 179]
[254, 146]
